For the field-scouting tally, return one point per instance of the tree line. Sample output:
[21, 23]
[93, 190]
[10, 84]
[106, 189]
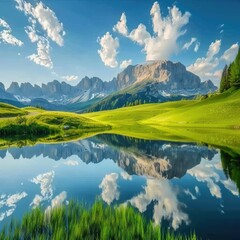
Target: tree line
[231, 75]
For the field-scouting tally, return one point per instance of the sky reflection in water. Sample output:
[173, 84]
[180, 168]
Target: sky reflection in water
[176, 184]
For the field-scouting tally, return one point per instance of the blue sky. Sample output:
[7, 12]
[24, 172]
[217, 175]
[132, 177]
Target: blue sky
[69, 39]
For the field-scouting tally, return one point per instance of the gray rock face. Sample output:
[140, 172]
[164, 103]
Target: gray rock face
[152, 82]
[166, 76]
[4, 94]
[64, 93]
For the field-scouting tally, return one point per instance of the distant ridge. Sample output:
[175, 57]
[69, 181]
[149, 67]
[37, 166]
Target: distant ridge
[155, 81]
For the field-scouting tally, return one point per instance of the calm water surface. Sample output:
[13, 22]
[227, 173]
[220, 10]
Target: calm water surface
[183, 186]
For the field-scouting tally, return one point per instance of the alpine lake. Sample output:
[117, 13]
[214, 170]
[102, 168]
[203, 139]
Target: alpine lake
[185, 187]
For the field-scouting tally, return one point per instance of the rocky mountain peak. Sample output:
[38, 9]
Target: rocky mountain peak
[169, 75]
[2, 87]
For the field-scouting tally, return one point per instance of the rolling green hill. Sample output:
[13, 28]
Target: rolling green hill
[214, 120]
[7, 110]
[36, 125]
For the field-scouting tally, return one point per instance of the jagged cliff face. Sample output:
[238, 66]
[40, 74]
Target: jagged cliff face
[156, 81]
[55, 91]
[165, 75]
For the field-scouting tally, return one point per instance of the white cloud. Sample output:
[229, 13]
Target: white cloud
[197, 190]
[207, 67]
[71, 163]
[140, 35]
[36, 201]
[70, 77]
[10, 202]
[167, 31]
[229, 55]
[213, 49]
[160, 46]
[189, 193]
[187, 45]
[166, 204]
[206, 172]
[231, 186]
[121, 25]
[31, 32]
[108, 51]
[46, 18]
[125, 63]
[45, 181]
[50, 25]
[197, 45]
[42, 57]
[203, 66]
[109, 188]
[4, 24]
[6, 35]
[56, 202]
[217, 74]
[126, 176]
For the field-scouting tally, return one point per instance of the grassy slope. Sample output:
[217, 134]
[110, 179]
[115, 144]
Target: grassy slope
[44, 126]
[7, 110]
[219, 115]
[215, 121]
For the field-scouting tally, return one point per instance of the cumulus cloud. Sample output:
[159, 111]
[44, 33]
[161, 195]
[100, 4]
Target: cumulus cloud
[121, 25]
[166, 204]
[205, 172]
[205, 65]
[229, 55]
[168, 30]
[126, 176]
[46, 18]
[70, 78]
[6, 34]
[56, 202]
[109, 188]
[161, 45]
[125, 63]
[140, 35]
[10, 202]
[52, 29]
[228, 184]
[45, 181]
[71, 163]
[108, 51]
[31, 32]
[42, 57]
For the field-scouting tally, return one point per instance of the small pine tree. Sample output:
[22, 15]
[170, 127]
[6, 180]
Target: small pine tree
[225, 83]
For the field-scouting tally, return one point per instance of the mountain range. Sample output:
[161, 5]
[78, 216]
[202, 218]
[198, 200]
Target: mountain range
[157, 81]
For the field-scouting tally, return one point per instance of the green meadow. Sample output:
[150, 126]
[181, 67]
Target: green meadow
[32, 125]
[212, 120]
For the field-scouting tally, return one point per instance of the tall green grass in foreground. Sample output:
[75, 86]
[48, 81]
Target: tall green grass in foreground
[78, 222]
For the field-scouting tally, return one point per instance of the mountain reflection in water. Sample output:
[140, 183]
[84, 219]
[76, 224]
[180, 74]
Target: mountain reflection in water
[172, 183]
